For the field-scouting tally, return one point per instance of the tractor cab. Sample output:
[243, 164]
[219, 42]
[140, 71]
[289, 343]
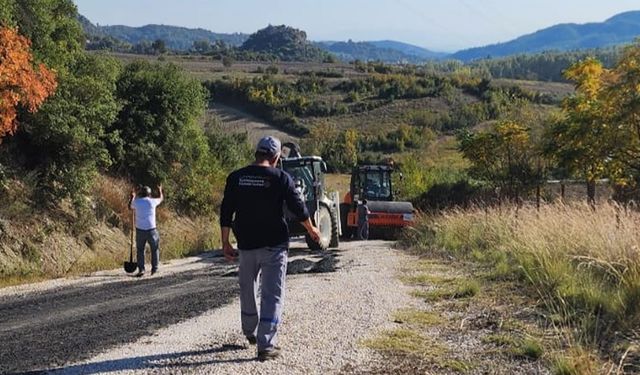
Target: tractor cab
[373, 183]
[308, 176]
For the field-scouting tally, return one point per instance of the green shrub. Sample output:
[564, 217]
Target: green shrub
[271, 69]
[160, 137]
[227, 61]
[450, 195]
[66, 141]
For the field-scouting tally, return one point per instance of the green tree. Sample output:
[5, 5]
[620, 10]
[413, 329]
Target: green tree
[159, 47]
[584, 140]
[201, 46]
[67, 139]
[160, 139]
[51, 25]
[415, 177]
[64, 142]
[623, 101]
[350, 153]
[504, 157]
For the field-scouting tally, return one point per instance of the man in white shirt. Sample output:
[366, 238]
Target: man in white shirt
[144, 207]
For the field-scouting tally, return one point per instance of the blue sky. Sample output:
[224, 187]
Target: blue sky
[444, 25]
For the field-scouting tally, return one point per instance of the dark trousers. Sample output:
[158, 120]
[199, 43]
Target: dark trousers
[363, 230]
[153, 238]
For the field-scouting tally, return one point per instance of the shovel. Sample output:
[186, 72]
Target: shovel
[131, 266]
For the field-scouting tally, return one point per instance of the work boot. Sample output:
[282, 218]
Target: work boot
[140, 274]
[268, 355]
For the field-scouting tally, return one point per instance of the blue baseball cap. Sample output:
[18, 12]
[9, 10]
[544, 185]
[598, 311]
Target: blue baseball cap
[269, 146]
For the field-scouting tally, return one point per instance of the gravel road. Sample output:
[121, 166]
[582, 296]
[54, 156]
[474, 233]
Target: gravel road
[187, 319]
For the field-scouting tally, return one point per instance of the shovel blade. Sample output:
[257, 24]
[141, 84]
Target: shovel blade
[130, 267]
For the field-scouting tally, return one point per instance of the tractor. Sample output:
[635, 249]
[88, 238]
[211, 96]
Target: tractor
[387, 217]
[307, 173]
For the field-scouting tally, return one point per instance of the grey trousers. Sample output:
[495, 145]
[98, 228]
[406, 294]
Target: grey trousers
[153, 238]
[271, 264]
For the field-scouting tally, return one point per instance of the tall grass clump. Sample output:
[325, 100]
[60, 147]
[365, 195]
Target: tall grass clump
[584, 263]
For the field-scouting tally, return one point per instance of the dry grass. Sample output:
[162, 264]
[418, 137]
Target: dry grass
[37, 248]
[578, 361]
[583, 263]
[111, 196]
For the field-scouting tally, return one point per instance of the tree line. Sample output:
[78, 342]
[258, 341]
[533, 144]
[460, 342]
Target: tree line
[594, 135]
[139, 122]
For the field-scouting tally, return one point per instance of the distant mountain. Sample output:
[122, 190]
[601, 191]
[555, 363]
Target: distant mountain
[175, 37]
[409, 49]
[284, 43]
[622, 28]
[364, 51]
[387, 51]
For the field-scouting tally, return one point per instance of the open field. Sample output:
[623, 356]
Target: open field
[206, 68]
[233, 120]
[338, 182]
[554, 89]
[387, 116]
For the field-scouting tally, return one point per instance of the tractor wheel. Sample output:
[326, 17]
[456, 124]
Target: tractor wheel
[335, 237]
[324, 226]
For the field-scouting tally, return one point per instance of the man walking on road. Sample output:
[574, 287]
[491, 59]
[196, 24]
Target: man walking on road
[253, 205]
[144, 207]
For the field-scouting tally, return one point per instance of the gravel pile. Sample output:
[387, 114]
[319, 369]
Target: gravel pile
[326, 315]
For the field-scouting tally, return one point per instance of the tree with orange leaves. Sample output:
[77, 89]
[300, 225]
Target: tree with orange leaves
[21, 82]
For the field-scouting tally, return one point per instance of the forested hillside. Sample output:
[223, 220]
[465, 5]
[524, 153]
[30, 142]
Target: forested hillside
[386, 51]
[545, 66]
[560, 45]
[620, 29]
[174, 37]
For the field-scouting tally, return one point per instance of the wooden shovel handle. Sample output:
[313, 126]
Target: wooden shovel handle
[133, 219]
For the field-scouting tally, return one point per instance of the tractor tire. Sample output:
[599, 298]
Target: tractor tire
[335, 237]
[324, 226]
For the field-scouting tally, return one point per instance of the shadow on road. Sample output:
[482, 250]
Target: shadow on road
[165, 361]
